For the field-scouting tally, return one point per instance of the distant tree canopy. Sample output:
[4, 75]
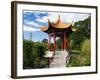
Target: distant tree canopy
[45, 40]
[81, 40]
[84, 27]
[83, 32]
[59, 44]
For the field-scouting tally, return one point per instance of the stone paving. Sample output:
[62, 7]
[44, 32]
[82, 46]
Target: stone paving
[59, 59]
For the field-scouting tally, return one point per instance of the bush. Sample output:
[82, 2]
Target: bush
[83, 57]
[28, 60]
[33, 55]
[86, 47]
[86, 51]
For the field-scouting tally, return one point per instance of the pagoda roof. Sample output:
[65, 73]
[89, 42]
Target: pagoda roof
[58, 25]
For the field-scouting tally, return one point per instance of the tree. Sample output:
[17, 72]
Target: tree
[86, 51]
[45, 40]
[27, 54]
[59, 44]
[33, 55]
[81, 41]
[83, 32]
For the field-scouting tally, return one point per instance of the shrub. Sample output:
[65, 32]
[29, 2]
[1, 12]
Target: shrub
[33, 54]
[86, 51]
[82, 58]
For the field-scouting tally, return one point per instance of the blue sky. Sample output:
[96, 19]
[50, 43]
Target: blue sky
[33, 20]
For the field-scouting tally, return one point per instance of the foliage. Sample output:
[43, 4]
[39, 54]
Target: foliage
[81, 58]
[34, 55]
[59, 44]
[83, 32]
[86, 46]
[45, 40]
[86, 50]
[80, 40]
[74, 61]
[28, 59]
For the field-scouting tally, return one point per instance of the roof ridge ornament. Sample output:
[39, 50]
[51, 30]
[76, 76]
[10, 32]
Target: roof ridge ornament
[58, 17]
[73, 27]
[58, 20]
[48, 21]
[72, 23]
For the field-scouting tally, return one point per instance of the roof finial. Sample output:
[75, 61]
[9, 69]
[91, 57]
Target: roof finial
[72, 23]
[58, 17]
[48, 21]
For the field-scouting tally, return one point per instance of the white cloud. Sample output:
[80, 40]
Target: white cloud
[33, 24]
[53, 16]
[67, 17]
[29, 11]
[43, 19]
[26, 28]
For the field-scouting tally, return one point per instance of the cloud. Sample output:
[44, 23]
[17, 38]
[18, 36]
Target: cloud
[32, 24]
[43, 19]
[37, 19]
[68, 17]
[26, 28]
[33, 15]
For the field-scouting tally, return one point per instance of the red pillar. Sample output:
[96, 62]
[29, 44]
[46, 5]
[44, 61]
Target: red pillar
[64, 40]
[62, 43]
[49, 40]
[69, 41]
[54, 41]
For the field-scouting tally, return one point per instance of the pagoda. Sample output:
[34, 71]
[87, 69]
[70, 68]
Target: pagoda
[58, 29]
[61, 30]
